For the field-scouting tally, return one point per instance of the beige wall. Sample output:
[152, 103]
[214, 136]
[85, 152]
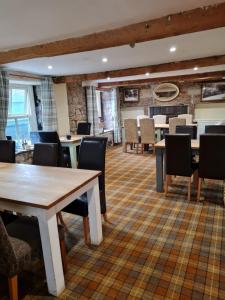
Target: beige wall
[60, 93]
[210, 111]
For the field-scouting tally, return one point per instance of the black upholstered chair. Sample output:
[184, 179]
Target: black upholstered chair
[211, 158]
[53, 137]
[7, 151]
[15, 257]
[46, 154]
[215, 129]
[84, 128]
[179, 159]
[192, 130]
[91, 157]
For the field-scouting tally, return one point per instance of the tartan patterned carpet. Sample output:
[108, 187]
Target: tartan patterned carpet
[157, 247]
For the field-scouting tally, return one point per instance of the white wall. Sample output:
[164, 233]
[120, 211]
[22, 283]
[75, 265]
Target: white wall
[60, 94]
[210, 111]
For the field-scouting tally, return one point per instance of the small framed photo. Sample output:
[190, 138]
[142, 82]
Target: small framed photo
[213, 91]
[131, 95]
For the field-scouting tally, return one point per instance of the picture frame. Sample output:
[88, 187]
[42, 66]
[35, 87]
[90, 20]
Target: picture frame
[131, 95]
[213, 91]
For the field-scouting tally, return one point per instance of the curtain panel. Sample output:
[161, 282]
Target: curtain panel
[4, 102]
[49, 115]
[116, 115]
[92, 112]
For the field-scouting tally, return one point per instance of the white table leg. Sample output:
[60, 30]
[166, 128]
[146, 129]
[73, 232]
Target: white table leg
[94, 212]
[52, 254]
[73, 155]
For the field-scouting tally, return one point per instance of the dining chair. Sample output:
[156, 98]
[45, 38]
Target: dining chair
[159, 119]
[15, 257]
[178, 159]
[84, 128]
[215, 129]
[147, 129]
[53, 137]
[211, 158]
[192, 130]
[91, 157]
[173, 122]
[140, 117]
[46, 154]
[187, 117]
[131, 133]
[7, 151]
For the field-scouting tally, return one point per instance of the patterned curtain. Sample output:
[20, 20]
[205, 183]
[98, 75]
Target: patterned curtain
[49, 116]
[4, 101]
[92, 112]
[116, 115]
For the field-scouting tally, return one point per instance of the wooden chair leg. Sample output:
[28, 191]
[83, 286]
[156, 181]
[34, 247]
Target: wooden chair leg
[105, 217]
[199, 189]
[13, 287]
[60, 219]
[195, 179]
[63, 255]
[136, 148]
[166, 184]
[189, 188]
[86, 229]
[153, 149]
[142, 148]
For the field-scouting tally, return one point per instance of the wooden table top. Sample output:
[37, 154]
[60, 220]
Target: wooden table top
[38, 186]
[161, 144]
[74, 139]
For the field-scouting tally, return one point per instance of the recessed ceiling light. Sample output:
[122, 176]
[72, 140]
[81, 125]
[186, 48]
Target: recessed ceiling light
[195, 69]
[50, 67]
[104, 59]
[147, 74]
[173, 49]
[108, 78]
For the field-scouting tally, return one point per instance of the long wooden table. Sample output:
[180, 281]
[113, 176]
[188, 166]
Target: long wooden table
[42, 192]
[160, 165]
[72, 144]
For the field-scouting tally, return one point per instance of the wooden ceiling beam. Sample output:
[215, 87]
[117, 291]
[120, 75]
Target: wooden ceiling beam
[166, 67]
[199, 77]
[195, 20]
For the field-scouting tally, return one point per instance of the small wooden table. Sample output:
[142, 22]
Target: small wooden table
[43, 192]
[72, 145]
[160, 150]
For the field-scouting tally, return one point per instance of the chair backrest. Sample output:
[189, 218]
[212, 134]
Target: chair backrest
[187, 117]
[212, 156]
[140, 117]
[147, 128]
[192, 130]
[131, 130]
[92, 157]
[9, 137]
[7, 151]
[216, 129]
[173, 122]
[159, 119]
[46, 154]
[7, 257]
[178, 154]
[84, 128]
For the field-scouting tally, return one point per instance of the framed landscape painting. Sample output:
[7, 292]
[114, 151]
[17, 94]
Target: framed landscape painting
[213, 91]
[131, 95]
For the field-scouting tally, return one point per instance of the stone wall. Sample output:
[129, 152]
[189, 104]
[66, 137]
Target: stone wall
[190, 94]
[76, 104]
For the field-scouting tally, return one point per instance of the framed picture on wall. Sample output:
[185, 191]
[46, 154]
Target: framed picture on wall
[213, 91]
[131, 95]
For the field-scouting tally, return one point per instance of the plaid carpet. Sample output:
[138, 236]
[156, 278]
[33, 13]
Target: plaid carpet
[157, 247]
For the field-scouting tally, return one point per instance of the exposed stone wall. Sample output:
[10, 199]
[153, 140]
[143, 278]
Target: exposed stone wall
[76, 104]
[190, 94]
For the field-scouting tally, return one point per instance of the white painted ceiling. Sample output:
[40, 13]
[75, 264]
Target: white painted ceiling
[29, 22]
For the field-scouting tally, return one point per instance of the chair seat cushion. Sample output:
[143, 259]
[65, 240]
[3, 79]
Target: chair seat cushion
[78, 207]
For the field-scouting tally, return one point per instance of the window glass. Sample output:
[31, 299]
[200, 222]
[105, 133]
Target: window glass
[23, 128]
[18, 101]
[11, 128]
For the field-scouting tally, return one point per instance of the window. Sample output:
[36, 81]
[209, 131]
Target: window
[19, 113]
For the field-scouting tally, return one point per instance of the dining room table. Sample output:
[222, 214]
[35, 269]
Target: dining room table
[72, 144]
[160, 150]
[43, 192]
